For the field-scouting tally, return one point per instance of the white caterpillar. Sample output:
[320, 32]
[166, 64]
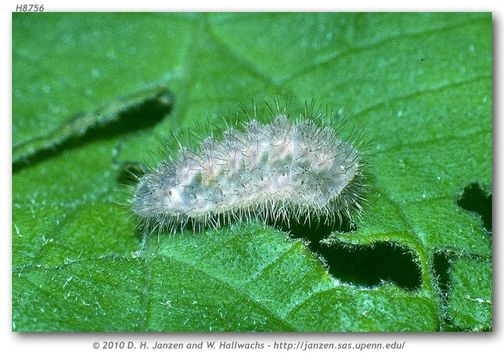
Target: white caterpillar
[278, 172]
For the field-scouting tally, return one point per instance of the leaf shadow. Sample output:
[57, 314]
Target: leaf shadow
[144, 115]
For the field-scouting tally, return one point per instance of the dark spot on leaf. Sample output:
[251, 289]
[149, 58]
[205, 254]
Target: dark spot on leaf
[475, 199]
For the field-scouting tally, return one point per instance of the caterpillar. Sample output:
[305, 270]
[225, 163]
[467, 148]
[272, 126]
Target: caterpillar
[276, 172]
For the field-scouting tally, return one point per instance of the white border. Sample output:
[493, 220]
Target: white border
[61, 346]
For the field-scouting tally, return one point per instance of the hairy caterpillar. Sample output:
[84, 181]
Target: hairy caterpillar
[278, 172]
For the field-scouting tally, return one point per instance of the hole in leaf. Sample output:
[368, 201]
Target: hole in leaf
[369, 265]
[475, 199]
[442, 271]
[363, 265]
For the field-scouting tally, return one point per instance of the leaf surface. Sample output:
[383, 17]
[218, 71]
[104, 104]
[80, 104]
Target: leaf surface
[420, 87]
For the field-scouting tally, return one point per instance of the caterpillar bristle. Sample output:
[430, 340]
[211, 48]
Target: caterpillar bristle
[276, 170]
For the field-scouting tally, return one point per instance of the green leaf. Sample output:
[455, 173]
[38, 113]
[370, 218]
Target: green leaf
[470, 304]
[84, 123]
[420, 87]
